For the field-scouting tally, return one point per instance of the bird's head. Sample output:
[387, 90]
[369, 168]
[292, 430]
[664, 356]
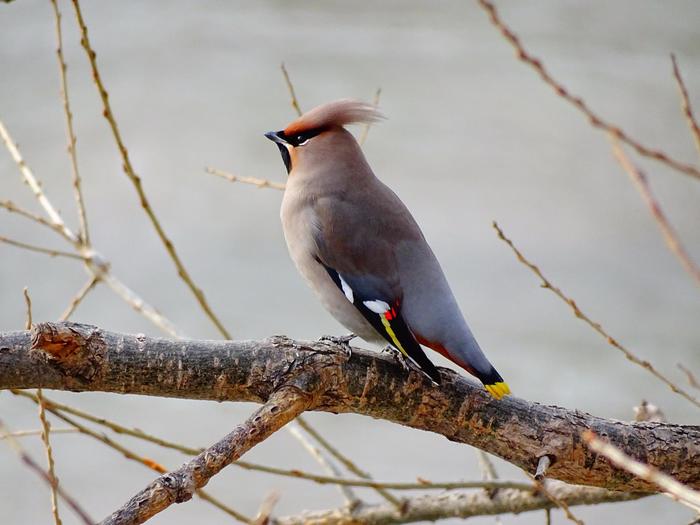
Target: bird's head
[319, 133]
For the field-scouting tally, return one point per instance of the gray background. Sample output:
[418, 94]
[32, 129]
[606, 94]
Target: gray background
[472, 136]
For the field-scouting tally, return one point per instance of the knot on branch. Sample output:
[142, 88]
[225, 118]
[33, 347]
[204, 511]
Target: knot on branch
[314, 369]
[76, 350]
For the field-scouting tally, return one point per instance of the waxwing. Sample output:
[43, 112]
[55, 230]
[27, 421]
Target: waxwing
[361, 251]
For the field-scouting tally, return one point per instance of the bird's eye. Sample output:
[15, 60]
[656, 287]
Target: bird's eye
[301, 140]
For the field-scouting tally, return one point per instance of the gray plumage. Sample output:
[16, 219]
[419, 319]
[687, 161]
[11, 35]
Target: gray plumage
[359, 248]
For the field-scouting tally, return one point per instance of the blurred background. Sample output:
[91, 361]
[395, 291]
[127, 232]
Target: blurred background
[472, 135]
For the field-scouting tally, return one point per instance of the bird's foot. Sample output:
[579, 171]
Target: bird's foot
[342, 341]
[398, 357]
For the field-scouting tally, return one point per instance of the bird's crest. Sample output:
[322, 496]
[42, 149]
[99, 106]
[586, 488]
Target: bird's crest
[337, 113]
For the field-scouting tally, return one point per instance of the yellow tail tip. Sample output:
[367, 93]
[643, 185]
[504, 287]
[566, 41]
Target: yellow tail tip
[498, 390]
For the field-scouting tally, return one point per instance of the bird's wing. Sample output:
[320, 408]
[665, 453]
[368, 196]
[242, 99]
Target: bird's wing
[357, 251]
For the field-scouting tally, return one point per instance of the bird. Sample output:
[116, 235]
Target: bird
[361, 251]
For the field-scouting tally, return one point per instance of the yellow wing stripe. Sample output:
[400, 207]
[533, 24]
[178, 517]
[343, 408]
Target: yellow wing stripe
[498, 390]
[390, 331]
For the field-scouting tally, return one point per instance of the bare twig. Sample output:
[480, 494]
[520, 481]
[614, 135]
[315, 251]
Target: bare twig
[138, 304]
[29, 433]
[595, 120]
[51, 406]
[95, 263]
[266, 507]
[488, 473]
[33, 183]
[346, 461]
[542, 466]
[559, 502]
[45, 429]
[77, 187]
[13, 208]
[290, 87]
[28, 306]
[326, 463]
[685, 102]
[27, 460]
[78, 297]
[136, 180]
[178, 486]
[689, 375]
[39, 249]
[260, 183]
[365, 128]
[670, 236]
[676, 490]
[545, 283]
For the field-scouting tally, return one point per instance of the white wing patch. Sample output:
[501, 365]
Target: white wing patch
[346, 289]
[378, 307]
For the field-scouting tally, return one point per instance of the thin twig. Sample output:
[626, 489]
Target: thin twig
[692, 381]
[670, 236]
[542, 465]
[346, 461]
[685, 102]
[595, 120]
[95, 263]
[34, 185]
[260, 183]
[78, 297]
[45, 430]
[37, 432]
[27, 460]
[290, 88]
[136, 180]
[13, 208]
[28, 306]
[558, 502]
[77, 187]
[326, 463]
[40, 249]
[545, 283]
[265, 510]
[51, 406]
[365, 128]
[676, 490]
[138, 304]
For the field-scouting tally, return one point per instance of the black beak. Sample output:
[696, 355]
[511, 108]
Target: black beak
[276, 137]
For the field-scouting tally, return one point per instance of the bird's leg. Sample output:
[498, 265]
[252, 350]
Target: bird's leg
[398, 357]
[342, 341]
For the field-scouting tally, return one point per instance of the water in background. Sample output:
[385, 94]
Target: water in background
[473, 135]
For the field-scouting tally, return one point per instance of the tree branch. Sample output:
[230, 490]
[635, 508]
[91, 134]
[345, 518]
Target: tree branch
[66, 356]
[179, 486]
[457, 505]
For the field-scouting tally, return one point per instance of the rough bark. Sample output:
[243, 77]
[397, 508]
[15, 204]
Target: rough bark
[83, 358]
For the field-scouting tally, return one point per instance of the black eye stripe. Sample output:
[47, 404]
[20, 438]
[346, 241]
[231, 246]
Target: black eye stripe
[300, 138]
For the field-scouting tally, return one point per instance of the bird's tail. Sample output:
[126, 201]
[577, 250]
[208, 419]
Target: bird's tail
[494, 384]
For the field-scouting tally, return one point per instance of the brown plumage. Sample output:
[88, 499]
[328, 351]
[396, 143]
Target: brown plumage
[361, 251]
[338, 113]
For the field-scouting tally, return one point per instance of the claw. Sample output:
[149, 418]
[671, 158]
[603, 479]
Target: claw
[398, 357]
[342, 341]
